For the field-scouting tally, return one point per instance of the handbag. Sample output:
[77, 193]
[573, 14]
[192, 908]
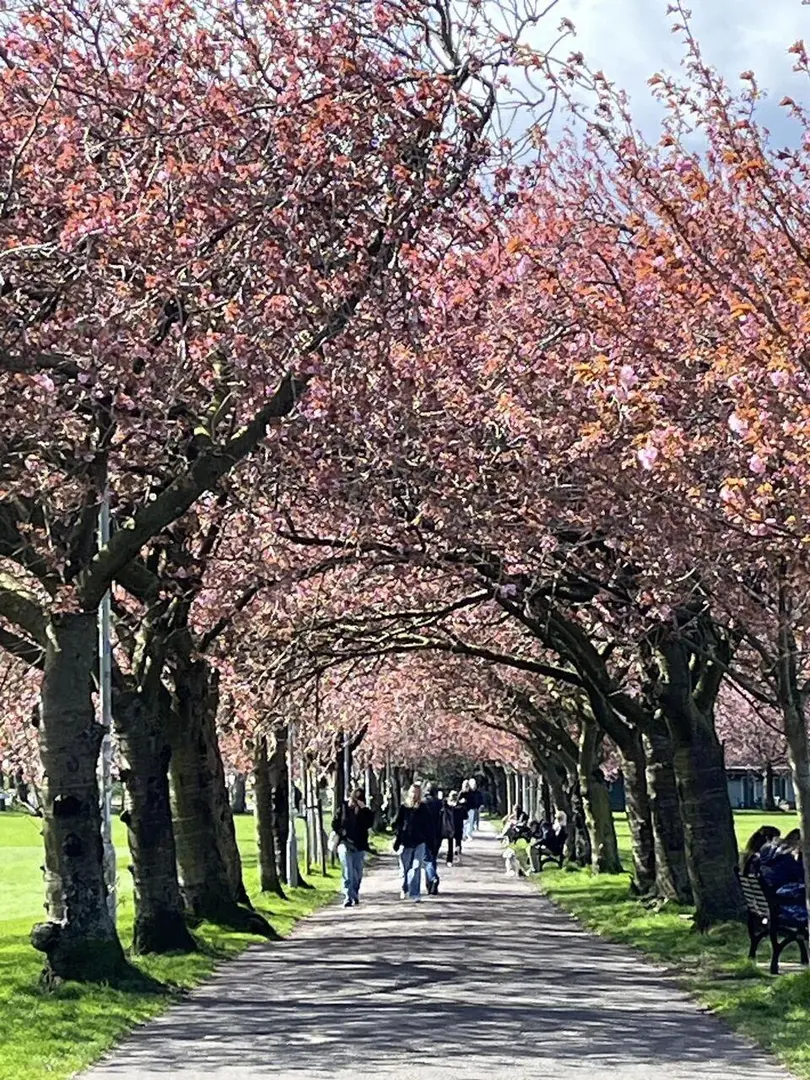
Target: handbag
[332, 843]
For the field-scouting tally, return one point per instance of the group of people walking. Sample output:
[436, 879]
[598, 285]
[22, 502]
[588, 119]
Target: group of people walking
[424, 821]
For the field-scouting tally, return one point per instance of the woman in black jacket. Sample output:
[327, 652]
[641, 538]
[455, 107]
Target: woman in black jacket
[415, 831]
[352, 824]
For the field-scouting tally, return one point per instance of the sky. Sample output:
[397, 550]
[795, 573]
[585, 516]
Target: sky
[630, 40]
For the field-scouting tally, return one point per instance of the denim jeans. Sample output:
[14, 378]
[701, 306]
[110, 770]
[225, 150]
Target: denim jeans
[411, 860]
[469, 824]
[431, 869]
[351, 863]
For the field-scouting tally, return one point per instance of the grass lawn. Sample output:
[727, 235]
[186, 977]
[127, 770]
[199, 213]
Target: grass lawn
[714, 966]
[51, 1035]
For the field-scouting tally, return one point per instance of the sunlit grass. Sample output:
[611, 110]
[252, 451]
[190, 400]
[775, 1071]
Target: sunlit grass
[53, 1034]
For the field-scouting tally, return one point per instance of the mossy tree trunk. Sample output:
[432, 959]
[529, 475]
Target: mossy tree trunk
[690, 678]
[160, 925]
[671, 872]
[269, 879]
[596, 800]
[79, 939]
[210, 866]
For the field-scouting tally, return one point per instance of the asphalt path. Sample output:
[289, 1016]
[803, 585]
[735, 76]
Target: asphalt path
[487, 981]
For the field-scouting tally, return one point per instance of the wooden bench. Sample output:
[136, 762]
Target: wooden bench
[546, 859]
[764, 920]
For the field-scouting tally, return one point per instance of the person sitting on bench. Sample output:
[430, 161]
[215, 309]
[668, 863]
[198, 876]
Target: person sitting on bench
[782, 870]
[767, 834]
[516, 826]
[548, 841]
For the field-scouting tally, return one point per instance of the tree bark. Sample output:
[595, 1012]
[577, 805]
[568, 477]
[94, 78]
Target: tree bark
[210, 866]
[795, 723]
[281, 801]
[639, 814]
[79, 939]
[687, 697]
[269, 880]
[239, 794]
[769, 799]
[596, 799]
[671, 873]
[578, 825]
[160, 925]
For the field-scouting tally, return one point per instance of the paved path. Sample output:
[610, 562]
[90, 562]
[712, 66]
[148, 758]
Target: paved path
[485, 982]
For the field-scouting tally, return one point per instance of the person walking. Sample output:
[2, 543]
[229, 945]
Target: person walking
[455, 816]
[351, 824]
[413, 832]
[434, 805]
[476, 802]
[466, 800]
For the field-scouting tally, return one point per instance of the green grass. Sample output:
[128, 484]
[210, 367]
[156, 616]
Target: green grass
[53, 1034]
[714, 966]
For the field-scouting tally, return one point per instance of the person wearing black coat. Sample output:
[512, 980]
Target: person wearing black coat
[414, 830]
[435, 806]
[352, 824]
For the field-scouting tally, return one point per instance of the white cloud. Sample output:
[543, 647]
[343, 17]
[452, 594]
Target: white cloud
[631, 39]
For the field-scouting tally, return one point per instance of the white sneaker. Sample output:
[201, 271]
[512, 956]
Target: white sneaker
[402, 894]
[417, 899]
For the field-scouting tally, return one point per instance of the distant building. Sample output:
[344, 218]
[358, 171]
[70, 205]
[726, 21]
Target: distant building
[746, 788]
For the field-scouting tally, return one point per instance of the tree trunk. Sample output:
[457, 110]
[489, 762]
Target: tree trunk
[79, 939]
[375, 800]
[711, 844]
[160, 925]
[638, 813]
[545, 798]
[281, 801]
[239, 794]
[579, 825]
[396, 792]
[769, 799]
[795, 723]
[210, 866]
[687, 699]
[269, 880]
[671, 873]
[596, 799]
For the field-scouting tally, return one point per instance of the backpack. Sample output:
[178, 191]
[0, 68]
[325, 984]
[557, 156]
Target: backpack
[448, 824]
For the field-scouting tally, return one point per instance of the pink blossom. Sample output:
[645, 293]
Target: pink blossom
[627, 377]
[737, 424]
[45, 382]
[647, 456]
[756, 464]
[779, 379]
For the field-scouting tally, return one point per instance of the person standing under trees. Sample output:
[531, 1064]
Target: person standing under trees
[476, 799]
[413, 833]
[352, 824]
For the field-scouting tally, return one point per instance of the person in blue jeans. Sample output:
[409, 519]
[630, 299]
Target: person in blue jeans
[414, 831]
[351, 824]
[435, 806]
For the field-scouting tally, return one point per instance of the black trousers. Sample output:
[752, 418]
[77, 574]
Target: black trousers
[453, 847]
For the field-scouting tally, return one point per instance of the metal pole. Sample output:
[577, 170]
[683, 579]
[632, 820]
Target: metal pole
[292, 842]
[105, 703]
